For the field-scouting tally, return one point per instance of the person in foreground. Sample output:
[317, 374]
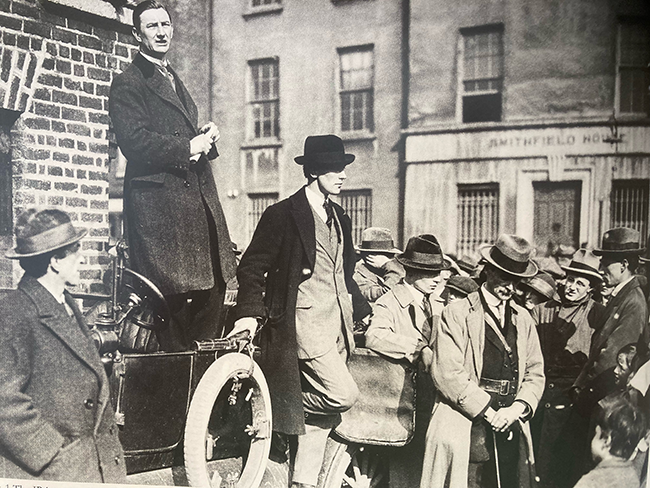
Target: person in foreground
[487, 366]
[296, 278]
[174, 222]
[619, 427]
[56, 418]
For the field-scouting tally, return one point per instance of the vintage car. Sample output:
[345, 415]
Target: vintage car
[206, 411]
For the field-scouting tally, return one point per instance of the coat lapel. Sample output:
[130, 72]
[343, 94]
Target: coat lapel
[476, 331]
[304, 219]
[161, 86]
[611, 316]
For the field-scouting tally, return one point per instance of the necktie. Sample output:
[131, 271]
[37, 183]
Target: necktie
[428, 312]
[168, 75]
[327, 205]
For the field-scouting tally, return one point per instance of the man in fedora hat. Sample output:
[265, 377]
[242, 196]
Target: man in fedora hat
[377, 271]
[458, 287]
[565, 325]
[487, 367]
[296, 279]
[404, 320]
[174, 222]
[56, 418]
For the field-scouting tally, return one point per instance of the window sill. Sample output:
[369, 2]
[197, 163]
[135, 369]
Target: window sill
[261, 143]
[262, 10]
[358, 136]
[100, 8]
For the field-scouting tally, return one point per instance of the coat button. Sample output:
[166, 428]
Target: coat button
[111, 430]
[551, 385]
[117, 459]
[186, 183]
[89, 404]
[176, 133]
[548, 405]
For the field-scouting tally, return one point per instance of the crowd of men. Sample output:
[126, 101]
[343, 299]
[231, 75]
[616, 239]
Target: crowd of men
[540, 370]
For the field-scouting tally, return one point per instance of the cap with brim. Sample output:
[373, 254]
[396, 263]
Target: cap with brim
[541, 283]
[462, 284]
[511, 254]
[49, 240]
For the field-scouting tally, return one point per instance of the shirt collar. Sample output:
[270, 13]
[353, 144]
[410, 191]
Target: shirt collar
[418, 296]
[316, 200]
[158, 62]
[492, 301]
[59, 297]
[620, 286]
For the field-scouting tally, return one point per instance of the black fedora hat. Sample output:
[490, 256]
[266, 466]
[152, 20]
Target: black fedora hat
[377, 240]
[619, 241]
[39, 231]
[324, 151]
[511, 254]
[423, 252]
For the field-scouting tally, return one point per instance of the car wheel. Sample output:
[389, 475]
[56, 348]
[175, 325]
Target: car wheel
[228, 426]
[353, 466]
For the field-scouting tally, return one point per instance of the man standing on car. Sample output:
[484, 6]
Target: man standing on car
[175, 226]
[296, 279]
[56, 418]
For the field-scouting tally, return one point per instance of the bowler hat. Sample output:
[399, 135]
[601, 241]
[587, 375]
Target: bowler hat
[544, 284]
[584, 262]
[620, 240]
[377, 240]
[511, 254]
[325, 151]
[463, 284]
[423, 252]
[39, 231]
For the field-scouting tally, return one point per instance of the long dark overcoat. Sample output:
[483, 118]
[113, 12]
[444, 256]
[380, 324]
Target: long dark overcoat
[624, 321]
[53, 391]
[167, 201]
[280, 256]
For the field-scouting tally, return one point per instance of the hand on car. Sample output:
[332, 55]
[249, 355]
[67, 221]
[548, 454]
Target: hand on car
[505, 417]
[244, 324]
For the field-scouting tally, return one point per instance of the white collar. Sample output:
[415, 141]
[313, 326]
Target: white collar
[316, 200]
[158, 62]
[58, 296]
[620, 286]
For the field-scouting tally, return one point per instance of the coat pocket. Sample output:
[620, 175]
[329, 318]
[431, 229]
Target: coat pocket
[156, 179]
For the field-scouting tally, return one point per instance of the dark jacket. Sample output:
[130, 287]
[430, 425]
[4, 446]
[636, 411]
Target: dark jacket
[624, 321]
[280, 256]
[56, 417]
[167, 201]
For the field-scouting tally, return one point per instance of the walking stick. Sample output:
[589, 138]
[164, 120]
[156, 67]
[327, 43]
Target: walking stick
[496, 458]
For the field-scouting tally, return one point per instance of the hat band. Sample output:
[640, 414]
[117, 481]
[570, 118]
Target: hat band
[426, 258]
[44, 240]
[371, 245]
[506, 262]
[581, 266]
[542, 287]
[618, 246]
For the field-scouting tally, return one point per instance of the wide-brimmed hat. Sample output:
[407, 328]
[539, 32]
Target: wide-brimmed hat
[325, 151]
[377, 240]
[423, 252]
[544, 284]
[511, 254]
[584, 262]
[42, 231]
[620, 240]
[462, 284]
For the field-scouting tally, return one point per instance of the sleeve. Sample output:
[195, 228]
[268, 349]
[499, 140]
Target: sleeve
[394, 273]
[30, 439]
[370, 290]
[256, 263]
[136, 139]
[448, 369]
[532, 385]
[382, 335]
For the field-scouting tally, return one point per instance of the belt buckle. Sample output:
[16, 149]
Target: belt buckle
[504, 387]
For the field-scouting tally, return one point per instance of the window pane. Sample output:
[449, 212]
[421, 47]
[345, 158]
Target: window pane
[358, 205]
[357, 73]
[478, 217]
[629, 204]
[264, 113]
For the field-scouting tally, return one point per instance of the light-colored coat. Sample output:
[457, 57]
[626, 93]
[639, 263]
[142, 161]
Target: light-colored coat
[397, 327]
[456, 370]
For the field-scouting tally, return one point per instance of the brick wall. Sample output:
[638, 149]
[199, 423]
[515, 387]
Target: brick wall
[56, 66]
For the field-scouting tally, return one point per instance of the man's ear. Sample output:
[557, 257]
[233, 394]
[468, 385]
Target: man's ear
[136, 33]
[54, 264]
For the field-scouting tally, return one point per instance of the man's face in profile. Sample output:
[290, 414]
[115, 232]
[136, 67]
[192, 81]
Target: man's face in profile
[155, 32]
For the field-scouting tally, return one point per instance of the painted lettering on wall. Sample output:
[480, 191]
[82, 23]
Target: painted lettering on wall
[541, 141]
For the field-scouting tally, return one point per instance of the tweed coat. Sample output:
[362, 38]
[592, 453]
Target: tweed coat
[168, 203]
[624, 321]
[456, 369]
[53, 389]
[280, 256]
[397, 327]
